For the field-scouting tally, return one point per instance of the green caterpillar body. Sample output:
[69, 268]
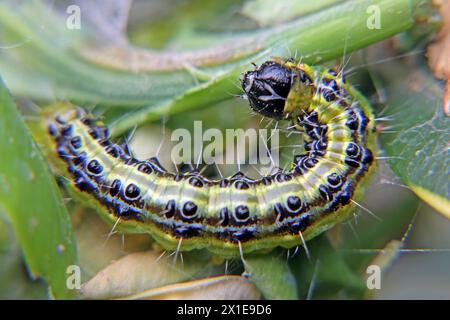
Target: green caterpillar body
[236, 214]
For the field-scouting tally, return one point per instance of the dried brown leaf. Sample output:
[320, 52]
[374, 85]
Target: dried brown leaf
[215, 288]
[141, 271]
[439, 52]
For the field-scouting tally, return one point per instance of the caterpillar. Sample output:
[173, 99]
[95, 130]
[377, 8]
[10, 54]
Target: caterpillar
[234, 215]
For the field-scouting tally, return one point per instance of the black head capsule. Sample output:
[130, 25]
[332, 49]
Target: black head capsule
[267, 88]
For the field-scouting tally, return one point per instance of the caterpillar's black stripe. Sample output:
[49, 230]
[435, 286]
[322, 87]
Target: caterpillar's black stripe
[312, 196]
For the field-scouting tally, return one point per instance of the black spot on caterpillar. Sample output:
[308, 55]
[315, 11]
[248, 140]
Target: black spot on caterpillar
[188, 211]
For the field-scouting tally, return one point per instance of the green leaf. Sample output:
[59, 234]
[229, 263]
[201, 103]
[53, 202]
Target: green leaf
[369, 236]
[14, 279]
[271, 274]
[338, 259]
[30, 199]
[325, 274]
[267, 12]
[418, 142]
[69, 67]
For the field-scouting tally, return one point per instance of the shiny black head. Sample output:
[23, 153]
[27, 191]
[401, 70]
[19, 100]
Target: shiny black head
[267, 88]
